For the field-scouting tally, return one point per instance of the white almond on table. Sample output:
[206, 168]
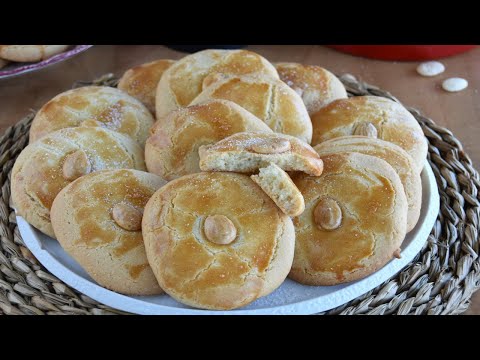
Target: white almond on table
[454, 84]
[430, 68]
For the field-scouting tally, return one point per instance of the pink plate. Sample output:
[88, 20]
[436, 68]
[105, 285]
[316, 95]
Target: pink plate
[16, 68]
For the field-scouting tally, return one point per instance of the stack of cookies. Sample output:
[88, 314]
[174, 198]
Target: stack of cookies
[28, 53]
[214, 177]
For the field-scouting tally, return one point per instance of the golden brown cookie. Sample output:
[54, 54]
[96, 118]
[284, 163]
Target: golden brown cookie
[216, 240]
[94, 106]
[248, 152]
[270, 99]
[98, 221]
[141, 81]
[354, 222]
[317, 86]
[30, 53]
[371, 116]
[182, 82]
[46, 166]
[280, 188]
[393, 154]
[172, 149]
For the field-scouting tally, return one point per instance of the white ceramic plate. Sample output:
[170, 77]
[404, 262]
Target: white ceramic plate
[289, 298]
[18, 68]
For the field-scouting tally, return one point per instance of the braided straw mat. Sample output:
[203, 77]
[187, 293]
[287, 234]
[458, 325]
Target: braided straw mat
[440, 280]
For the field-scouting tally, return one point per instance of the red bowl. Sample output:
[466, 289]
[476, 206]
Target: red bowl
[403, 52]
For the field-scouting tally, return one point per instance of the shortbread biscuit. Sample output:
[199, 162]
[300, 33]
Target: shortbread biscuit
[269, 99]
[216, 240]
[30, 53]
[354, 222]
[371, 116]
[280, 188]
[141, 81]
[172, 149]
[94, 106]
[317, 86]
[98, 220]
[182, 82]
[46, 166]
[393, 154]
[248, 152]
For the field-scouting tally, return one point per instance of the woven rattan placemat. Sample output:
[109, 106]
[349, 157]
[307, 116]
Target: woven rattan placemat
[440, 280]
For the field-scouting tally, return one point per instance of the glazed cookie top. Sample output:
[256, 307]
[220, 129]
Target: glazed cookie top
[354, 219]
[216, 240]
[46, 166]
[393, 154]
[141, 81]
[371, 116]
[94, 106]
[317, 86]
[182, 82]
[172, 149]
[270, 99]
[97, 220]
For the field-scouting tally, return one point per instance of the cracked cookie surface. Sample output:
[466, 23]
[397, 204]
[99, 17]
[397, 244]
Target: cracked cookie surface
[269, 99]
[372, 116]
[355, 219]
[171, 150]
[93, 106]
[316, 86]
[183, 81]
[398, 158]
[247, 255]
[141, 81]
[46, 166]
[97, 220]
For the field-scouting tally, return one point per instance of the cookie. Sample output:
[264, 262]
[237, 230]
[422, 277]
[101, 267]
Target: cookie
[172, 149]
[30, 53]
[141, 81]
[393, 154]
[375, 117]
[354, 222]
[182, 82]
[269, 99]
[46, 166]
[280, 188]
[98, 221]
[248, 152]
[216, 240]
[94, 106]
[317, 86]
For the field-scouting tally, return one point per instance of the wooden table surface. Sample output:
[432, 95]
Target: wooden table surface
[460, 112]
